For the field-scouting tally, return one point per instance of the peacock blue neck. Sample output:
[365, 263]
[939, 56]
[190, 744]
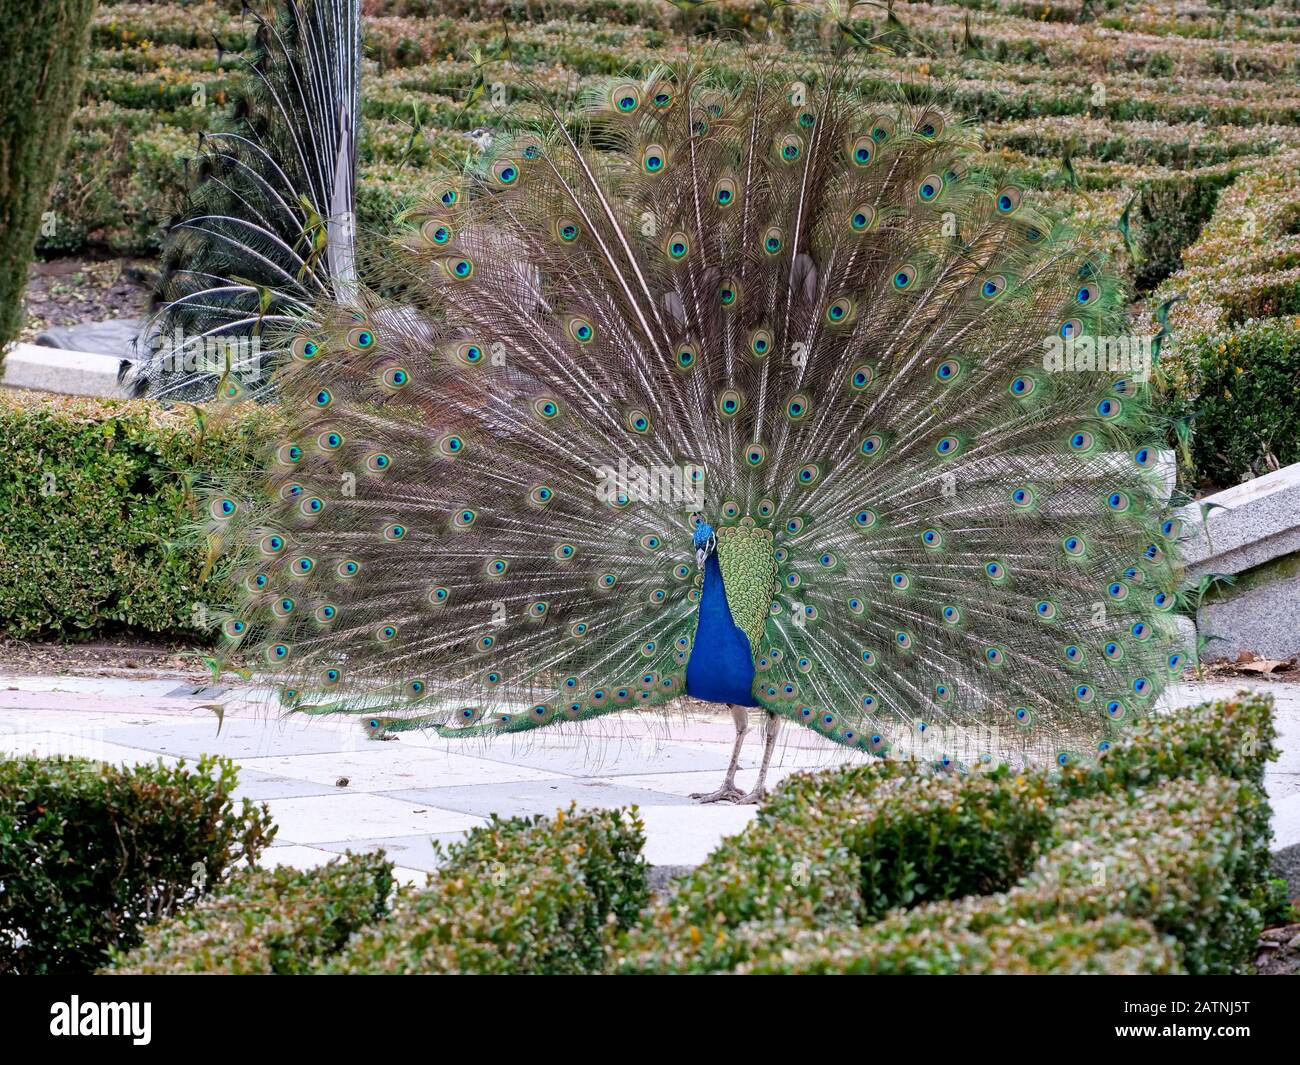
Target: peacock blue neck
[721, 668]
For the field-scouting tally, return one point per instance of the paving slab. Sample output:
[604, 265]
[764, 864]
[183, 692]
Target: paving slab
[540, 796]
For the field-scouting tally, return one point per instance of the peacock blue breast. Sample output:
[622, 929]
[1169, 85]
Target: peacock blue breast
[721, 667]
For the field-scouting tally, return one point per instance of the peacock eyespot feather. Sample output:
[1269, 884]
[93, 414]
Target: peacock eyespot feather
[1117, 591]
[772, 240]
[234, 629]
[579, 629]
[790, 147]
[484, 644]
[1143, 458]
[882, 128]
[395, 378]
[496, 568]
[302, 566]
[729, 292]
[864, 519]
[438, 596]
[760, 343]
[222, 508]
[841, 311]
[347, 569]
[677, 246]
[901, 582]
[329, 440]
[903, 640]
[505, 172]
[326, 613]
[1140, 631]
[932, 539]
[361, 338]
[304, 348]
[607, 582]
[1172, 529]
[994, 656]
[288, 454]
[567, 230]
[861, 218]
[537, 611]
[724, 192]
[930, 188]
[658, 595]
[685, 358]
[904, 278]
[1118, 502]
[547, 408]
[378, 462]
[323, 398]
[1022, 498]
[256, 582]
[541, 495]
[951, 614]
[564, 552]
[1074, 546]
[862, 151]
[1022, 716]
[855, 605]
[1008, 200]
[386, 633]
[415, 689]
[993, 287]
[1045, 610]
[948, 371]
[1087, 295]
[1112, 650]
[277, 652]
[450, 445]
[793, 580]
[873, 446]
[581, 330]
[766, 508]
[625, 98]
[1110, 408]
[464, 518]
[1071, 329]
[931, 125]
[948, 447]
[1074, 654]
[654, 159]
[755, 455]
[798, 407]
[437, 232]
[1022, 386]
[446, 194]
[469, 353]
[808, 475]
[272, 544]
[1082, 441]
[638, 421]
[1163, 601]
[730, 510]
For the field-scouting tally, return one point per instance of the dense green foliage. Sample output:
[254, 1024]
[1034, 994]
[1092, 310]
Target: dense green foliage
[94, 508]
[90, 853]
[267, 921]
[44, 46]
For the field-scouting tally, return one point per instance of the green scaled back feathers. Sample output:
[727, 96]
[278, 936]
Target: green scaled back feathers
[797, 313]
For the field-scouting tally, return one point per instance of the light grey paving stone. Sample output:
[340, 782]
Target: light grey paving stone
[90, 744]
[390, 766]
[595, 759]
[343, 817]
[260, 786]
[536, 797]
[686, 784]
[1286, 821]
[237, 739]
[684, 835]
[411, 852]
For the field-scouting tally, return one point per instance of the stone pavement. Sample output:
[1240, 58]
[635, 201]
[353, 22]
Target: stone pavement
[330, 789]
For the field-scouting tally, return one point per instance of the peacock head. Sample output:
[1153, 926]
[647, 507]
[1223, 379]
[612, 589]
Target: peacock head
[706, 542]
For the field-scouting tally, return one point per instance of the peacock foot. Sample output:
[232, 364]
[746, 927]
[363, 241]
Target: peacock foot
[726, 793]
[755, 796]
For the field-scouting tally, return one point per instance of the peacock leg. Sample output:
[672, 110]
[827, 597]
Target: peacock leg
[729, 792]
[770, 729]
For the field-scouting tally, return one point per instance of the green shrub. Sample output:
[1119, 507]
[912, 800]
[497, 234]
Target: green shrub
[89, 853]
[845, 847]
[279, 921]
[44, 46]
[831, 852]
[93, 511]
[525, 895]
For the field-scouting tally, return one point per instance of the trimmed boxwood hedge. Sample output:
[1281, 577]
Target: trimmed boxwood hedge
[90, 853]
[94, 505]
[267, 921]
[782, 893]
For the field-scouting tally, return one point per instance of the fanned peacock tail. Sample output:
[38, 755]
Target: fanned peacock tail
[798, 314]
[268, 230]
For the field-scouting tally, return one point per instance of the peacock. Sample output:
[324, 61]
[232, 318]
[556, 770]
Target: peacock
[740, 387]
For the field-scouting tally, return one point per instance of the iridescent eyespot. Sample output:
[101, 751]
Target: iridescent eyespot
[901, 581]
[1082, 440]
[361, 338]
[947, 371]
[798, 407]
[541, 495]
[377, 462]
[724, 192]
[234, 628]
[1074, 654]
[873, 446]
[1022, 498]
[1008, 199]
[1074, 546]
[790, 147]
[1118, 501]
[1118, 591]
[347, 569]
[625, 97]
[1022, 715]
[326, 614]
[469, 353]
[904, 277]
[385, 633]
[302, 565]
[932, 539]
[329, 441]
[1087, 295]
[755, 454]
[581, 330]
[993, 287]
[395, 378]
[864, 519]
[496, 567]
[951, 615]
[1172, 529]
[685, 358]
[861, 218]
[840, 311]
[772, 240]
[1109, 408]
[505, 171]
[1022, 386]
[289, 454]
[222, 508]
[994, 656]
[861, 377]
[729, 292]
[436, 231]
[862, 151]
[794, 526]
[948, 446]
[323, 398]
[546, 408]
[729, 402]
[1071, 329]
[564, 552]
[464, 518]
[1112, 650]
[637, 421]
[929, 189]
[1046, 610]
[653, 158]
[304, 348]
[272, 544]
[439, 595]
[677, 245]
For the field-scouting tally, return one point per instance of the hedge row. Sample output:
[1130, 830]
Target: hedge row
[267, 921]
[523, 896]
[1235, 359]
[93, 512]
[832, 851]
[90, 853]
